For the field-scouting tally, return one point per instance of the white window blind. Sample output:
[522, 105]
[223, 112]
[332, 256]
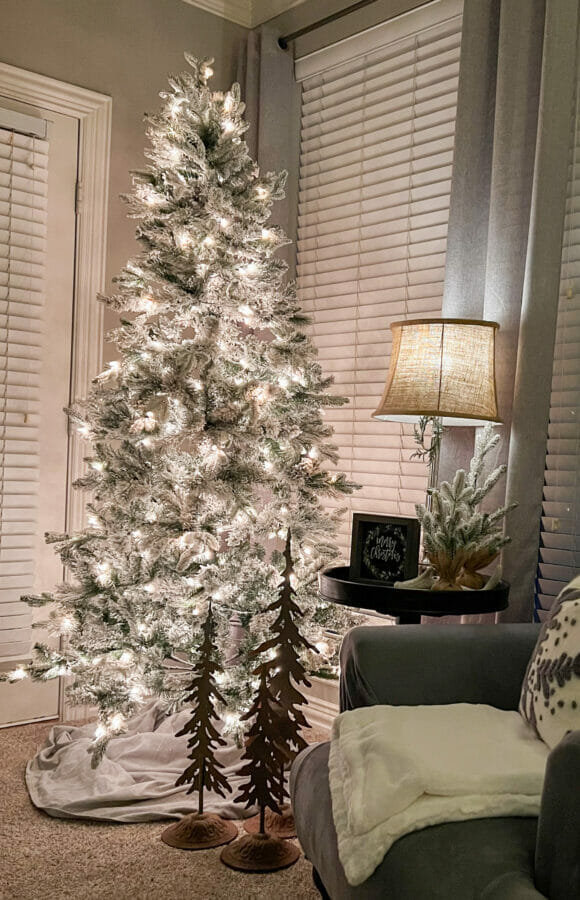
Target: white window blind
[560, 527]
[23, 223]
[375, 175]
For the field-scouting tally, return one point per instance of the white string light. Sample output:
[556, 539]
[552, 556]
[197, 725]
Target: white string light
[18, 674]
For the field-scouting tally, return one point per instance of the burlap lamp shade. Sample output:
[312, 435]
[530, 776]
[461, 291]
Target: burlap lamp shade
[443, 368]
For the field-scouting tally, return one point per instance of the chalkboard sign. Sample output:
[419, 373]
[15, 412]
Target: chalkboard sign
[384, 548]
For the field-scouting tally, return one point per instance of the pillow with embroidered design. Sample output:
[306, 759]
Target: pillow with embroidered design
[550, 698]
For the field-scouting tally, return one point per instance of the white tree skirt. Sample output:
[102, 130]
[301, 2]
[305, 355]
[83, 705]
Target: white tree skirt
[134, 782]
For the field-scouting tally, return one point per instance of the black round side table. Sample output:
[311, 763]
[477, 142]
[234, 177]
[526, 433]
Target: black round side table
[408, 604]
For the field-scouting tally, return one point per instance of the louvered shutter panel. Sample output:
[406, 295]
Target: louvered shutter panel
[560, 526]
[375, 175]
[23, 222]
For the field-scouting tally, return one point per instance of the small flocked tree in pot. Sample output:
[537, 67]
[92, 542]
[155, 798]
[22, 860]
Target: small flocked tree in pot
[459, 538]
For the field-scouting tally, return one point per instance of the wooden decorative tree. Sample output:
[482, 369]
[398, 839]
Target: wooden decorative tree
[274, 737]
[287, 673]
[201, 830]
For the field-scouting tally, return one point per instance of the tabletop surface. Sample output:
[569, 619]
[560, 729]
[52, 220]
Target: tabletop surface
[335, 585]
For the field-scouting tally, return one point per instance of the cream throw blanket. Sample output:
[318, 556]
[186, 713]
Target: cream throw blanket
[395, 769]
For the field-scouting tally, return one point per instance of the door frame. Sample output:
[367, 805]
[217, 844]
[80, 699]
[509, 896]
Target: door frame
[93, 112]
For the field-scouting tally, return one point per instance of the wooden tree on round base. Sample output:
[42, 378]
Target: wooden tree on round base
[273, 739]
[201, 830]
[265, 757]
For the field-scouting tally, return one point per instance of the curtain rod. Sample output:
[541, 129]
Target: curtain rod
[285, 40]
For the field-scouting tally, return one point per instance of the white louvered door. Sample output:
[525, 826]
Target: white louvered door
[37, 235]
[378, 123]
[559, 554]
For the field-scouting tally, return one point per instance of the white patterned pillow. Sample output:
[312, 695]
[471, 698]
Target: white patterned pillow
[550, 698]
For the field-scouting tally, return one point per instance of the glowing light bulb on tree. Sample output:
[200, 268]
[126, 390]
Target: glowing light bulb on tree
[18, 674]
[174, 155]
[150, 196]
[175, 105]
[104, 573]
[148, 304]
[67, 625]
[183, 240]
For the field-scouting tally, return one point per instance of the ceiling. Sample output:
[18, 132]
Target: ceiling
[246, 12]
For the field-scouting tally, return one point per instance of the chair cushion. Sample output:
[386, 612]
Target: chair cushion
[550, 698]
[484, 858]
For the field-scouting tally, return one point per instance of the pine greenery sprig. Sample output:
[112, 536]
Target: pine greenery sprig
[458, 537]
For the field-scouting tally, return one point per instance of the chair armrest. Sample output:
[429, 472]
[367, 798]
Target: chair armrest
[558, 840]
[408, 665]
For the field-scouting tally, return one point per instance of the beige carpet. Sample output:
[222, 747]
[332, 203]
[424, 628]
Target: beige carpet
[42, 858]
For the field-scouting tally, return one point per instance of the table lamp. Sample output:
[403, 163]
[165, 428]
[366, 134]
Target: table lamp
[441, 371]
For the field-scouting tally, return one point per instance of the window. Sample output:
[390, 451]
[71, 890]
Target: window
[23, 232]
[560, 525]
[378, 123]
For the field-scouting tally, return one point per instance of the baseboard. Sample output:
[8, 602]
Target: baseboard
[79, 715]
[323, 704]
[321, 710]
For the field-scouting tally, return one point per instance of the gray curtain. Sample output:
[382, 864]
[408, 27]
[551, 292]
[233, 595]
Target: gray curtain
[516, 92]
[272, 97]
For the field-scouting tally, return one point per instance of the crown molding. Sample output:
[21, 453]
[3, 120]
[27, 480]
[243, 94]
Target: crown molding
[238, 11]
[264, 10]
[248, 13]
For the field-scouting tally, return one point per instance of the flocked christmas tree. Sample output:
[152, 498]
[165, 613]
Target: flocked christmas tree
[199, 830]
[205, 436]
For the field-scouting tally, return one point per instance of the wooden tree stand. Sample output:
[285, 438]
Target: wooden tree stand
[279, 825]
[200, 831]
[260, 853]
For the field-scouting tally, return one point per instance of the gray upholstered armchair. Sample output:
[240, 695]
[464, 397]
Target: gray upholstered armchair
[495, 859]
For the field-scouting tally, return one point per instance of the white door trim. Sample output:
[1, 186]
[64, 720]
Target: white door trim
[93, 112]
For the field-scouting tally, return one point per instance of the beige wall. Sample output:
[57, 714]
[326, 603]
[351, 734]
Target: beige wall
[123, 48]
